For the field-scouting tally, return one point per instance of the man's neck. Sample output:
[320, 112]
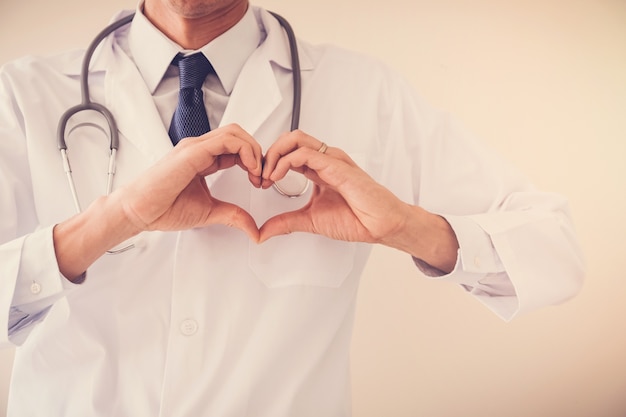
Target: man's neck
[195, 27]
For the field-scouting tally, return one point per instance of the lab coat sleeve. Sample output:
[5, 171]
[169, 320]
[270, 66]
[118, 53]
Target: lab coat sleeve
[38, 283]
[30, 281]
[518, 249]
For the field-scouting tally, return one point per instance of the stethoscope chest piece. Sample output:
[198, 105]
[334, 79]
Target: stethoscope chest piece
[293, 185]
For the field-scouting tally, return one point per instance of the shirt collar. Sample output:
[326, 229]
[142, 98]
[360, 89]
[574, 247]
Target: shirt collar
[153, 52]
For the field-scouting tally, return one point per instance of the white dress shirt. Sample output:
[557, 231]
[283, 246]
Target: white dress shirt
[204, 322]
[227, 54]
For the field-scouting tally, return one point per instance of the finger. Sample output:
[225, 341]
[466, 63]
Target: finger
[226, 140]
[234, 216]
[227, 161]
[285, 223]
[247, 155]
[286, 144]
[223, 152]
[318, 167]
[255, 147]
[255, 180]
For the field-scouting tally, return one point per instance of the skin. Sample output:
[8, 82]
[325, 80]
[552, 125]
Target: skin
[194, 23]
[347, 204]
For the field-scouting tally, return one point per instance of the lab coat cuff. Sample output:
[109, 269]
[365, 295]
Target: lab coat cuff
[476, 257]
[39, 281]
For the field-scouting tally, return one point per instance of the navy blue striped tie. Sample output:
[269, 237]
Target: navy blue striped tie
[190, 118]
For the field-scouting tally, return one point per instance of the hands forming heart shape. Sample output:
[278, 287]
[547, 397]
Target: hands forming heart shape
[346, 204]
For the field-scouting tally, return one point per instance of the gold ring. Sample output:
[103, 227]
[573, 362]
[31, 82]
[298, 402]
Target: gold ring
[323, 148]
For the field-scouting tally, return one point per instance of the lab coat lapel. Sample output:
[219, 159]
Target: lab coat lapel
[255, 95]
[132, 105]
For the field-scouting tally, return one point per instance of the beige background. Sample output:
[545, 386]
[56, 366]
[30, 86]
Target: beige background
[543, 81]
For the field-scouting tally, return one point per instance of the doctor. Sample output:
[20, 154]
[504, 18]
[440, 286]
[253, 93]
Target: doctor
[236, 300]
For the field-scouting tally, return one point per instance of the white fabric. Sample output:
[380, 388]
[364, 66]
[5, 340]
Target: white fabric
[227, 54]
[204, 322]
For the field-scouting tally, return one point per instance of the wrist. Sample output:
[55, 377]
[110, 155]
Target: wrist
[426, 236]
[81, 240]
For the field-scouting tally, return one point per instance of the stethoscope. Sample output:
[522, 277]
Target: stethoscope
[290, 188]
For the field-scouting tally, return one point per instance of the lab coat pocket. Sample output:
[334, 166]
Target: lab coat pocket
[302, 259]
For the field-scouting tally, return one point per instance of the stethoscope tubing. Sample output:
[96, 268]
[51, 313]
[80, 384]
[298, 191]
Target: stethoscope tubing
[86, 104]
[295, 68]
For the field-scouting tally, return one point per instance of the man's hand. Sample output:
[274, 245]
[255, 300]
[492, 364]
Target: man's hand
[347, 204]
[171, 195]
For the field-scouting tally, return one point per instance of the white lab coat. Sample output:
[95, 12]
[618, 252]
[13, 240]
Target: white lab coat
[203, 322]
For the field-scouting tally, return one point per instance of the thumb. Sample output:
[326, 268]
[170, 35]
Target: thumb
[285, 223]
[232, 215]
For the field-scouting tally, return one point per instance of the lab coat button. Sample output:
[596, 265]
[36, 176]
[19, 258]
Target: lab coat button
[35, 288]
[477, 262]
[188, 327]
